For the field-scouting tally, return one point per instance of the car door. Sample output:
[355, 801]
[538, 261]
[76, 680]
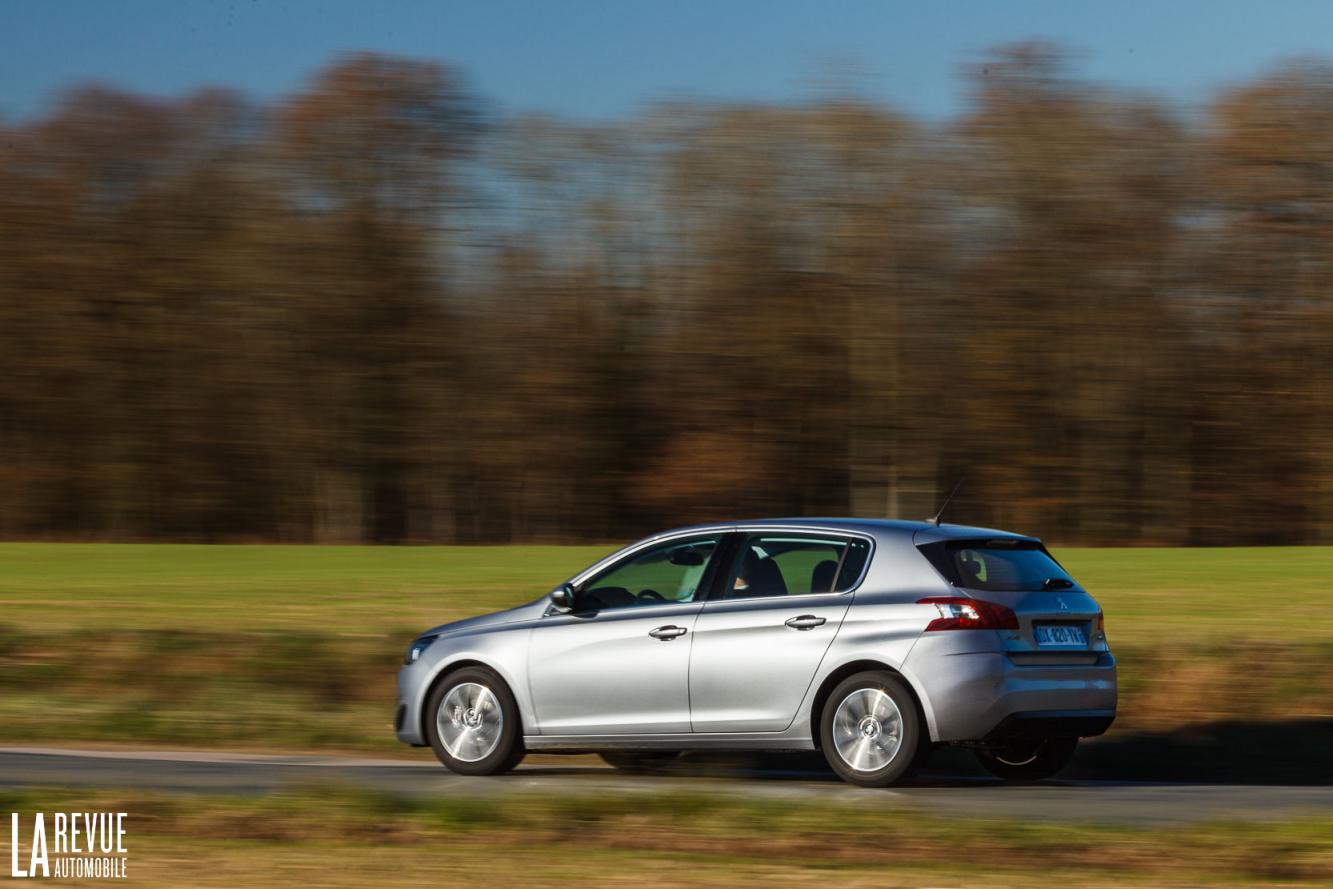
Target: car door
[619, 662]
[760, 639]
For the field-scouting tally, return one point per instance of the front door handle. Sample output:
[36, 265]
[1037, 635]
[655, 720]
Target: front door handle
[805, 622]
[667, 633]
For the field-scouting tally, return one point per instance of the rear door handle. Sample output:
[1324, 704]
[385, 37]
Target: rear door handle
[667, 633]
[805, 622]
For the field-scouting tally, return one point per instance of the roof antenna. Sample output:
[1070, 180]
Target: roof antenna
[935, 519]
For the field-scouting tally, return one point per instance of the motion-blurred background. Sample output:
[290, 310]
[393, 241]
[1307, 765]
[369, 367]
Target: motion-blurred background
[379, 307]
[557, 275]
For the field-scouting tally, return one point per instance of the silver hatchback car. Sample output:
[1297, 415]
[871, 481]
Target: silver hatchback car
[872, 641]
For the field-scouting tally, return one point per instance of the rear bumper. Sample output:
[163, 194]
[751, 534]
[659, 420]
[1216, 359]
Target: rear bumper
[974, 694]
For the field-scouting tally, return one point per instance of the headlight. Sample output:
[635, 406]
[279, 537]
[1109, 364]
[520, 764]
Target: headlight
[417, 648]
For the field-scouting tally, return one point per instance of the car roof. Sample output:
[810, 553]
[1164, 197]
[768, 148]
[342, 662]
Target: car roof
[919, 531]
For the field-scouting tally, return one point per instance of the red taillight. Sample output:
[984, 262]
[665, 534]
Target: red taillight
[959, 613]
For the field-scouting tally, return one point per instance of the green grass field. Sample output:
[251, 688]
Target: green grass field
[350, 589]
[1278, 594]
[297, 646]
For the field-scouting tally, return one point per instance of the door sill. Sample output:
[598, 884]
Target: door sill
[690, 741]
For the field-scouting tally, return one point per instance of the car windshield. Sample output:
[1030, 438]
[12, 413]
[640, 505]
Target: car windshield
[997, 565]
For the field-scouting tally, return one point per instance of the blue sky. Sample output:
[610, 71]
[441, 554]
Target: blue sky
[596, 59]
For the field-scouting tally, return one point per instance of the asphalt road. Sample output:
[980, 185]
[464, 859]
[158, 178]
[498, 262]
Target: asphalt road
[937, 792]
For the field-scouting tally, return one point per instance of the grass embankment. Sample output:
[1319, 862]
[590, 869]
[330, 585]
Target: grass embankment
[668, 839]
[273, 646]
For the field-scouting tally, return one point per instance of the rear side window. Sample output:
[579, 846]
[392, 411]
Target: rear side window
[1006, 565]
[795, 565]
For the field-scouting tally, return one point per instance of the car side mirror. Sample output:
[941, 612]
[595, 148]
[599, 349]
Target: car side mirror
[562, 597]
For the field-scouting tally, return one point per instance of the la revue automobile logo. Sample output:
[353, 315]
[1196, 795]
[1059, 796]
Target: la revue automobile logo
[67, 845]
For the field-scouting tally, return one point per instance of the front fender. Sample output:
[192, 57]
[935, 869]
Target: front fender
[503, 651]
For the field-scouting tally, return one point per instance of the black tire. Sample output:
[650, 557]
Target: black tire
[642, 761]
[912, 748]
[1028, 761]
[507, 751]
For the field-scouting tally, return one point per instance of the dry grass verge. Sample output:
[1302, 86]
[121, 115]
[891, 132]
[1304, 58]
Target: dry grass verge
[609, 841]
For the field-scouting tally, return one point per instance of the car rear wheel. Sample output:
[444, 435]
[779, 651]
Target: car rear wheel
[639, 760]
[1029, 760]
[870, 731]
[472, 723]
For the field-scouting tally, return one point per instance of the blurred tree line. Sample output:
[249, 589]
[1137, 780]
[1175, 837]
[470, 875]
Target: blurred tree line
[379, 311]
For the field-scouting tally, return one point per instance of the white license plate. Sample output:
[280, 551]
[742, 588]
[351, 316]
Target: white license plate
[1059, 634]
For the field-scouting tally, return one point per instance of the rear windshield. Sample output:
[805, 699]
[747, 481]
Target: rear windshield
[997, 565]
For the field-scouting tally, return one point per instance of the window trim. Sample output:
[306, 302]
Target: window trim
[617, 559]
[744, 534]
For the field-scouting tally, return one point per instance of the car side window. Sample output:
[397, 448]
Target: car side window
[795, 565]
[671, 572]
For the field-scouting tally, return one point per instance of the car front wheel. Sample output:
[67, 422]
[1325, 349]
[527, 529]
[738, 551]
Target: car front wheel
[472, 723]
[870, 731]
[1029, 760]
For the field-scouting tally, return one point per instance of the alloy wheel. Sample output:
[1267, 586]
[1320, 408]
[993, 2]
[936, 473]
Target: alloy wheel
[470, 721]
[867, 730]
